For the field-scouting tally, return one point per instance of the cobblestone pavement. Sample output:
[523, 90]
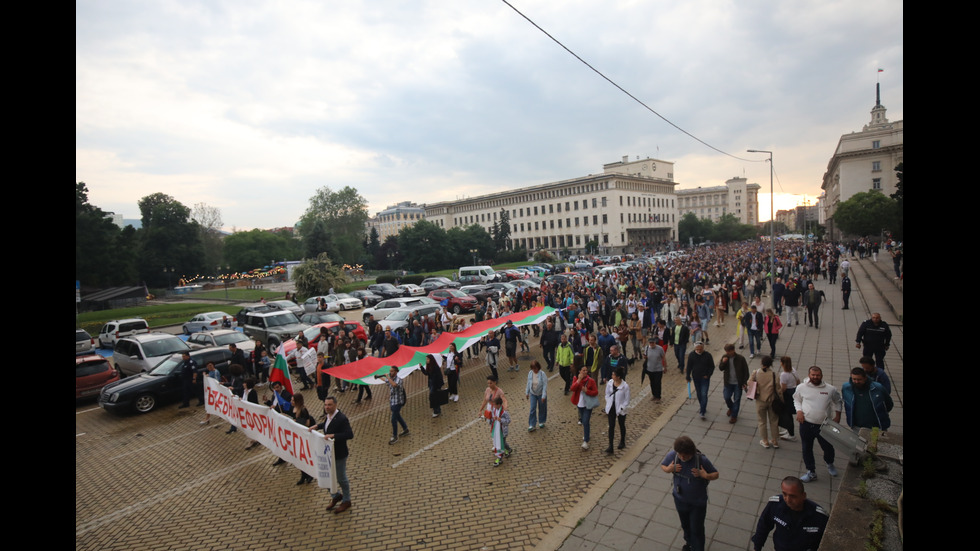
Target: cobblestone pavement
[635, 510]
[162, 481]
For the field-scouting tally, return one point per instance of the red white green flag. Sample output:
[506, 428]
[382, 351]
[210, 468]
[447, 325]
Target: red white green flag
[410, 357]
[280, 372]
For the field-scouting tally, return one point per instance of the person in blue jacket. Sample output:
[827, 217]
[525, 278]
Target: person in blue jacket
[865, 402]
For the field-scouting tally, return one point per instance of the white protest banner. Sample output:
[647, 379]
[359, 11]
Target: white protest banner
[307, 450]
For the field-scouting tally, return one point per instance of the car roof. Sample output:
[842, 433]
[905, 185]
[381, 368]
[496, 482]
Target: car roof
[143, 337]
[85, 358]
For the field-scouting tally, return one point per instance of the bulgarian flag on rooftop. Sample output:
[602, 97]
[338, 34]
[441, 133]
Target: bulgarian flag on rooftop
[408, 358]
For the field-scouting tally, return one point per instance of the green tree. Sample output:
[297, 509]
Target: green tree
[316, 276]
[867, 213]
[344, 214]
[372, 249]
[423, 246]
[104, 255]
[462, 241]
[209, 223]
[690, 227]
[168, 239]
[500, 232]
[780, 228]
[391, 256]
[252, 249]
[728, 228]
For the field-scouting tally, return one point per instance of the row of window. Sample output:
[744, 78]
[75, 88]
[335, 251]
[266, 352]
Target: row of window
[632, 217]
[569, 207]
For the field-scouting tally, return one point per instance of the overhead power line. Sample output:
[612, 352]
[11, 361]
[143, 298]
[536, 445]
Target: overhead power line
[623, 90]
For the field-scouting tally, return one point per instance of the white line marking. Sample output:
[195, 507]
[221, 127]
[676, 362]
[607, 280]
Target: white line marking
[428, 447]
[87, 410]
[80, 434]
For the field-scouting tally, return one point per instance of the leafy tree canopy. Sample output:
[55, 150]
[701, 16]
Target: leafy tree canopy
[316, 276]
[867, 213]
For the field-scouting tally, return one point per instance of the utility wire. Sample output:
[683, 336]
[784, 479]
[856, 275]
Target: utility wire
[623, 90]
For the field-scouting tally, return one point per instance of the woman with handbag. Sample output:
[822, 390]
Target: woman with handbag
[434, 373]
[767, 401]
[787, 384]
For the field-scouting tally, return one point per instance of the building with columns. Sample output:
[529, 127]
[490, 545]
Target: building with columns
[863, 161]
[391, 220]
[630, 207]
[736, 197]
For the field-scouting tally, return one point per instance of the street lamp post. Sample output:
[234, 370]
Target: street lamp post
[772, 217]
[473, 252]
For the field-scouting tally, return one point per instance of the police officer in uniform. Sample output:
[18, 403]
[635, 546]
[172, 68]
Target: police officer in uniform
[845, 288]
[799, 522]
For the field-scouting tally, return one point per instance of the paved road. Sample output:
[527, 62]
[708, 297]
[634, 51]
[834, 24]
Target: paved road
[162, 481]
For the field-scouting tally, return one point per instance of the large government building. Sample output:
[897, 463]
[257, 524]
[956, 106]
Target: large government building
[863, 161]
[630, 207]
[736, 197]
[391, 220]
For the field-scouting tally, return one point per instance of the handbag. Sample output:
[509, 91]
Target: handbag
[777, 404]
[439, 397]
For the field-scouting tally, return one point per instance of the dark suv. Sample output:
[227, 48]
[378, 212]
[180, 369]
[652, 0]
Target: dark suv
[273, 328]
[386, 290]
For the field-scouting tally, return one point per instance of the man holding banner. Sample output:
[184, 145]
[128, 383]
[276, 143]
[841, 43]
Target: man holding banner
[336, 426]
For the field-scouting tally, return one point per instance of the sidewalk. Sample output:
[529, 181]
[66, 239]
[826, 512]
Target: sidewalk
[636, 511]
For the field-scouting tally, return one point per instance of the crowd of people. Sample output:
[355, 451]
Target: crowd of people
[610, 324]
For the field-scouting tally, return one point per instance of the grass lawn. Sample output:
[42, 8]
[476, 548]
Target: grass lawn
[156, 315]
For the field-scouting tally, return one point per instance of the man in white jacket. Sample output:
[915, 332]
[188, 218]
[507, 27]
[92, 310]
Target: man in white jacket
[815, 400]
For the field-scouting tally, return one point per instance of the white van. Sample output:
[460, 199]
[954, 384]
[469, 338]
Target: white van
[485, 273]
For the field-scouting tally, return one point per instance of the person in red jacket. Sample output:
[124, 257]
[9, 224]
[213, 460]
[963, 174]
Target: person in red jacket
[585, 396]
[771, 326]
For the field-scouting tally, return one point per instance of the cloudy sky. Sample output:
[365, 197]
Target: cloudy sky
[251, 106]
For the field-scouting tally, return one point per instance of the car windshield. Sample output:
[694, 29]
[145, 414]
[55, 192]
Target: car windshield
[398, 315]
[455, 293]
[229, 338]
[343, 296]
[283, 303]
[81, 336]
[167, 366]
[163, 347]
[278, 320]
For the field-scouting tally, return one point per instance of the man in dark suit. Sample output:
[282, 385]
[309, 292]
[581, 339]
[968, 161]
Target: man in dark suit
[336, 426]
[736, 379]
[845, 289]
[238, 357]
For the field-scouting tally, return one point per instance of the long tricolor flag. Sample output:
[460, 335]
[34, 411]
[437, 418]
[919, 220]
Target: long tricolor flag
[408, 358]
[280, 371]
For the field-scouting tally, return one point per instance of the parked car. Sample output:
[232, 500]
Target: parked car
[273, 328]
[385, 307]
[432, 283]
[367, 297]
[248, 309]
[582, 264]
[285, 306]
[92, 372]
[84, 343]
[412, 290]
[505, 288]
[454, 300]
[311, 304]
[480, 292]
[345, 301]
[312, 334]
[399, 318]
[140, 353]
[221, 337]
[321, 317]
[387, 290]
[161, 385]
[117, 329]
[207, 321]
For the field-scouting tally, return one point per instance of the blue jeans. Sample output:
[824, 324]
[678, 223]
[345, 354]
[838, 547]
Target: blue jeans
[341, 466]
[733, 397]
[539, 411]
[396, 419]
[679, 353]
[692, 521]
[701, 386]
[755, 340]
[808, 433]
[585, 415]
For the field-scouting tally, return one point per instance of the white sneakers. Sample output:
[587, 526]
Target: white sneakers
[585, 445]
